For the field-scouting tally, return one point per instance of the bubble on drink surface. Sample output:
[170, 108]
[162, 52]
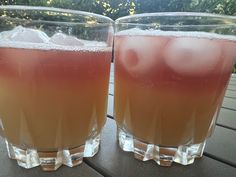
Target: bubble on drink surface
[139, 54]
[21, 34]
[65, 40]
[192, 56]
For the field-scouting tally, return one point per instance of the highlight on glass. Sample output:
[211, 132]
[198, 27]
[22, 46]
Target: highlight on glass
[54, 74]
[171, 73]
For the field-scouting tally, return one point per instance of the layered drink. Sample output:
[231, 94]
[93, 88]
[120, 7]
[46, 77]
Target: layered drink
[53, 90]
[169, 86]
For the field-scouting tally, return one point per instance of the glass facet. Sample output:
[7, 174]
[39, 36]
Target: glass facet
[54, 74]
[171, 73]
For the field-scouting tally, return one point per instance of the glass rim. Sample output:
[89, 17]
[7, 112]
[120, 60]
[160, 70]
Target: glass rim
[107, 20]
[122, 20]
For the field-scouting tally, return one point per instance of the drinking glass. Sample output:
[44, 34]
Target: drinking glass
[54, 73]
[171, 73]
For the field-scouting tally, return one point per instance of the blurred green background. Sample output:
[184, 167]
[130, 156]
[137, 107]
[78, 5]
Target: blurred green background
[117, 8]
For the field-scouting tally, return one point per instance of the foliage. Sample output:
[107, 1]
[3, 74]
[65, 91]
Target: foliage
[118, 8]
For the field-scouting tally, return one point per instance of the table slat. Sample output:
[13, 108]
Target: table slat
[111, 80]
[227, 118]
[232, 79]
[232, 83]
[230, 93]
[233, 76]
[222, 145]
[111, 88]
[229, 103]
[231, 87]
[112, 67]
[110, 105]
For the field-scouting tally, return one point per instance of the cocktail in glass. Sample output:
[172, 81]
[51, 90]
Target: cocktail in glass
[54, 73]
[171, 72]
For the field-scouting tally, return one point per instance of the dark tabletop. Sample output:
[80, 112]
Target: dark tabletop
[219, 159]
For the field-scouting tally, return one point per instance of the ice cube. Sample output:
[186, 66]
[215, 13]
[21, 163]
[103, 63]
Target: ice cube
[63, 39]
[139, 54]
[192, 56]
[21, 34]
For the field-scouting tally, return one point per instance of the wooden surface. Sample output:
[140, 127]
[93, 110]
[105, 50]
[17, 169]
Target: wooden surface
[219, 159]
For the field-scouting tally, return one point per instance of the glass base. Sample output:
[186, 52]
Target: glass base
[51, 161]
[164, 156]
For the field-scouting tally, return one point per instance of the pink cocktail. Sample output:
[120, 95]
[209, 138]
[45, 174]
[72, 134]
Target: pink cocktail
[169, 87]
[54, 74]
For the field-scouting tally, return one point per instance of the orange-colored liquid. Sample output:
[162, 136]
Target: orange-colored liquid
[52, 99]
[170, 98]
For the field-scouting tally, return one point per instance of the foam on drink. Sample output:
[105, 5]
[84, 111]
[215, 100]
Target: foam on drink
[139, 32]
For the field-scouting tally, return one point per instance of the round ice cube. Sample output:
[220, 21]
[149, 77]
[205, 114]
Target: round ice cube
[21, 34]
[63, 39]
[139, 54]
[192, 56]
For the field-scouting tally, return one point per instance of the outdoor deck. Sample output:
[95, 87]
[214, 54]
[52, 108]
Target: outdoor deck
[219, 158]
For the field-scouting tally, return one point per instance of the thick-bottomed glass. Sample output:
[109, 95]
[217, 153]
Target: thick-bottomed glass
[171, 72]
[54, 73]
